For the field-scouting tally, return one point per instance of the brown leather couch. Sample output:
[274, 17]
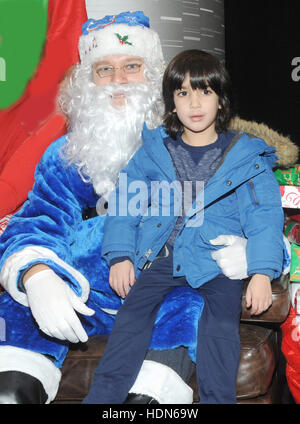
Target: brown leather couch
[259, 377]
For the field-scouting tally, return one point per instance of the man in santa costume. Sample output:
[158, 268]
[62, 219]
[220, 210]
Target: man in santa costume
[56, 283]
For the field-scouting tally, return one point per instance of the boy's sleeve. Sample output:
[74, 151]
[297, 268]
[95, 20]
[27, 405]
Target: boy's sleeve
[44, 229]
[119, 259]
[126, 206]
[262, 221]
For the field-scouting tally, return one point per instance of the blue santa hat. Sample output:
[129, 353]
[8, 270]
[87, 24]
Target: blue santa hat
[127, 33]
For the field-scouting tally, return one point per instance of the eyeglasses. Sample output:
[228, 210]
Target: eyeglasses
[108, 71]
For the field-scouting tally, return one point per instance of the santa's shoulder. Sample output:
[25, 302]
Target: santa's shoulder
[54, 150]
[53, 156]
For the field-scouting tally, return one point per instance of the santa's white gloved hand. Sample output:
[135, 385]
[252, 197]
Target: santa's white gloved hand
[232, 258]
[53, 304]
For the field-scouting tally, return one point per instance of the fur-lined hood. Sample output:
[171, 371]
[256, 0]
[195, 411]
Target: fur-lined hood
[286, 150]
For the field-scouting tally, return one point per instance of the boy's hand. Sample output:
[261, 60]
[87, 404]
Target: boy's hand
[121, 277]
[259, 294]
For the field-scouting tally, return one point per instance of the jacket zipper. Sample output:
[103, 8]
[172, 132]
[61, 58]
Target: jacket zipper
[253, 191]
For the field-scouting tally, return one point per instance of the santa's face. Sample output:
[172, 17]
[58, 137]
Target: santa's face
[107, 104]
[121, 70]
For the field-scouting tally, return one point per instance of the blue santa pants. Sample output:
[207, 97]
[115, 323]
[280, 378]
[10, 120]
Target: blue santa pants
[218, 345]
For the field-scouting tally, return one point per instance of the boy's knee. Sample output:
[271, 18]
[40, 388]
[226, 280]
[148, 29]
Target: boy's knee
[225, 328]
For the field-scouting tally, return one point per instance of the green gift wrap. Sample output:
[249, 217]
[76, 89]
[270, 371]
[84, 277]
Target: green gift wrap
[295, 263]
[289, 176]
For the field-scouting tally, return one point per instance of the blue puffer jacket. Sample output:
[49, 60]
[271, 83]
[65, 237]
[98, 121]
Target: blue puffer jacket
[242, 198]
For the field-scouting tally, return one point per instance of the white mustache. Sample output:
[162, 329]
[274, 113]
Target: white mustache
[114, 90]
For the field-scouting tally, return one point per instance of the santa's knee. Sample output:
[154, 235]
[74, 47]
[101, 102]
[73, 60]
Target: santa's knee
[27, 377]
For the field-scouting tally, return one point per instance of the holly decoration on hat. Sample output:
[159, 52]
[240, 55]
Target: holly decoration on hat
[123, 40]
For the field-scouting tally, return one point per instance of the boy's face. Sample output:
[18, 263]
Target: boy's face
[196, 109]
[118, 69]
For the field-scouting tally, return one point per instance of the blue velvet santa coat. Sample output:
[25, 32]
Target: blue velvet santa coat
[50, 229]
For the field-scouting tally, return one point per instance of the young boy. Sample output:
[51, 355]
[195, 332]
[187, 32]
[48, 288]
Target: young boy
[153, 252]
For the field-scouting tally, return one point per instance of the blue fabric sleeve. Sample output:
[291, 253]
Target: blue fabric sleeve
[269, 272]
[119, 259]
[53, 211]
[262, 220]
[122, 221]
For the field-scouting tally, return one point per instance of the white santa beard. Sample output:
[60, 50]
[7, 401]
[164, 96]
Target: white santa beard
[105, 137]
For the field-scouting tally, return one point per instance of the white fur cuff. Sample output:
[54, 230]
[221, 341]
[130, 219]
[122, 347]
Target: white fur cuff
[162, 383]
[32, 363]
[17, 261]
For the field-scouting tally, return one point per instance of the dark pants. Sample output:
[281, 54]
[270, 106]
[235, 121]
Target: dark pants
[218, 348]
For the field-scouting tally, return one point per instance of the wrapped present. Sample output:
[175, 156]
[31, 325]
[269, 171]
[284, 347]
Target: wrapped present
[292, 231]
[294, 217]
[297, 302]
[290, 196]
[295, 263]
[289, 177]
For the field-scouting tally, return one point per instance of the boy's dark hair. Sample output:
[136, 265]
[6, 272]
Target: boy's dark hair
[204, 70]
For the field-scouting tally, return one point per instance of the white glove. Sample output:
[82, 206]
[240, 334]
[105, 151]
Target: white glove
[53, 304]
[231, 259]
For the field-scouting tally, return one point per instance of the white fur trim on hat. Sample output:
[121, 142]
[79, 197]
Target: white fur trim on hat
[120, 39]
[19, 260]
[162, 383]
[32, 363]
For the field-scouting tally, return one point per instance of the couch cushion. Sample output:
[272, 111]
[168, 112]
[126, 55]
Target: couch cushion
[78, 369]
[258, 356]
[257, 363]
[258, 359]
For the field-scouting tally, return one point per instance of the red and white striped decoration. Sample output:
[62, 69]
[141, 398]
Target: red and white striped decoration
[4, 222]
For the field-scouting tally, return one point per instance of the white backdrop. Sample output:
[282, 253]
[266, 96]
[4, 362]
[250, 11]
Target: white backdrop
[181, 24]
